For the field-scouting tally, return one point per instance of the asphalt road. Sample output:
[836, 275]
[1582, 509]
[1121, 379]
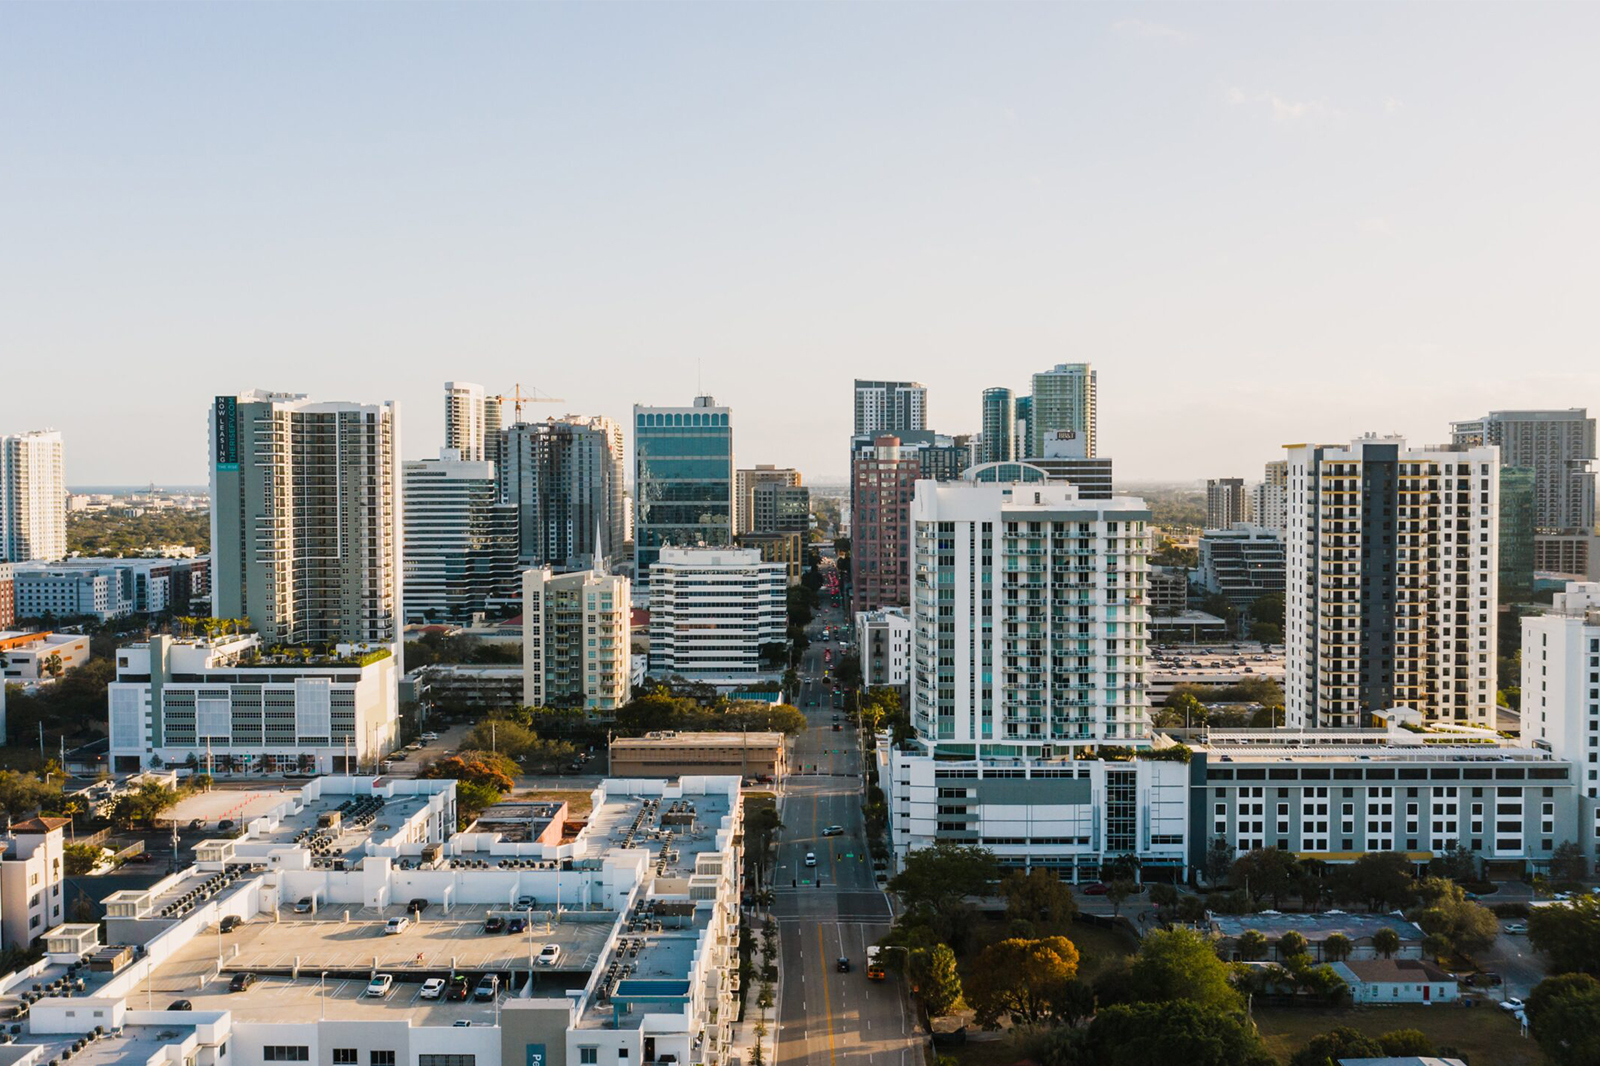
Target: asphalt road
[833, 909]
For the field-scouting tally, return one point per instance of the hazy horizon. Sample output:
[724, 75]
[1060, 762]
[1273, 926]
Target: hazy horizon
[1262, 224]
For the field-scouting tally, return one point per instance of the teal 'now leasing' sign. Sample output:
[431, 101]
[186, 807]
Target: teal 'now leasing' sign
[535, 1055]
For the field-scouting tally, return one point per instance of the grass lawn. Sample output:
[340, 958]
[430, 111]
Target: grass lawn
[579, 801]
[1485, 1034]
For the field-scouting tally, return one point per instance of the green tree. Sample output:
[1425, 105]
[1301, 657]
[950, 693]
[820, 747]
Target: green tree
[1022, 979]
[1398, 1043]
[1327, 1049]
[1336, 947]
[935, 881]
[1040, 898]
[21, 794]
[1380, 879]
[1266, 872]
[1564, 1016]
[1118, 891]
[1194, 1034]
[1567, 863]
[935, 978]
[1458, 925]
[1458, 864]
[1251, 945]
[1219, 860]
[1568, 934]
[1182, 709]
[80, 858]
[1386, 942]
[1291, 944]
[1180, 964]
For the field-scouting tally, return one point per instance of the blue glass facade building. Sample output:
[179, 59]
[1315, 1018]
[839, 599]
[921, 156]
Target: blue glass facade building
[683, 481]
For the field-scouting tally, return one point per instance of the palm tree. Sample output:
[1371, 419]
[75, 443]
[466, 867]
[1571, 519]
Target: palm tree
[70, 810]
[1386, 942]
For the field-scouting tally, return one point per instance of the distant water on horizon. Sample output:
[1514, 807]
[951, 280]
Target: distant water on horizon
[128, 490]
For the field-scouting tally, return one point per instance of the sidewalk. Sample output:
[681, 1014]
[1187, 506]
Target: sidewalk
[744, 1031]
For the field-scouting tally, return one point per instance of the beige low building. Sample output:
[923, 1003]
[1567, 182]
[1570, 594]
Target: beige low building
[749, 755]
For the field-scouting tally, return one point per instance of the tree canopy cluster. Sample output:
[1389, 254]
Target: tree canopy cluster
[1564, 1016]
[107, 533]
[656, 711]
[1568, 935]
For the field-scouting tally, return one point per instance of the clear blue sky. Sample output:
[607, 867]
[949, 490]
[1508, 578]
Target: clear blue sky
[1262, 223]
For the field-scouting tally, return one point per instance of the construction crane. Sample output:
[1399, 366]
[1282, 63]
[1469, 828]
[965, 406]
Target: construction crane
[518, 398]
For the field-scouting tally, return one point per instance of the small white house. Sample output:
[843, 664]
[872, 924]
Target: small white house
[1376, 981]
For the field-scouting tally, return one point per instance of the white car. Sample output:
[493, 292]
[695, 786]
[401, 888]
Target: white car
[432, 988]
[430, 736]
[396, 925]
[379, 986]
[1513, 1004]
[1516, 928]
[811, 858]
[550, 955]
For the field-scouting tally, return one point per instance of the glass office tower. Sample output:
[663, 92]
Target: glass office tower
[683, 479]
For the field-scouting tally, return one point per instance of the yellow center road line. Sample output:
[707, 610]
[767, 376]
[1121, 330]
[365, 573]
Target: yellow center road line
[827, 1004]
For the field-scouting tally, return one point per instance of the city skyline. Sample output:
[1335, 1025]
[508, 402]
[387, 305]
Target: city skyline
[1214, 209]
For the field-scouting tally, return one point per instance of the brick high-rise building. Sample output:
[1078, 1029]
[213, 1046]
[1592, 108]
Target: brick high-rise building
[882, 480]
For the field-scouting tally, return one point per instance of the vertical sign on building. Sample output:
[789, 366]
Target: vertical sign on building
[227, 457]
[535, 1055]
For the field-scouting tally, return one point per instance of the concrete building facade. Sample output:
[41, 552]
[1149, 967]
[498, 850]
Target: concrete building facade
[110, 588]
[712, 610]
[564, 477]
[1227, 503]
[1561, 695]
[306, 518]
[883, 640]
[1391, 584]
[890, 407]
[227, 704]
[746, 483]
[1243, 563]
[882, 481]
[1028, 615]
[33, 497]
[675, 754]
[1065, 398]
[1559, 447]
[460, 540]
[32, 872]
[575, 647]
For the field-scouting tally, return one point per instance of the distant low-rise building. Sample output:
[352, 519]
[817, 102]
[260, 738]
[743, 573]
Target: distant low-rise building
[671, 754]
[1169, 590]
[463, 687]
[1359, 929]
[1378, 981]
[110, 588]
[31, 657]
[786, 548]
[1242, 563]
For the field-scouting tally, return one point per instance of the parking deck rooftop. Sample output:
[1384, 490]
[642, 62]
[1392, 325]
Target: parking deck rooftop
[431, 947]
[349, 951]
